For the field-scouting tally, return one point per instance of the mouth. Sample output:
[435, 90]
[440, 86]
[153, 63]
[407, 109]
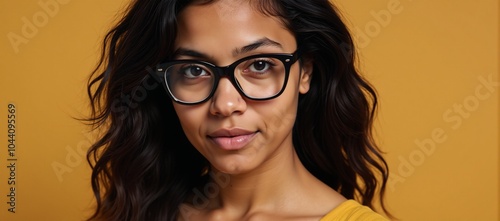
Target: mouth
[233, 139]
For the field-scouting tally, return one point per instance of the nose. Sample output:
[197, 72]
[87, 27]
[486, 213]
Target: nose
[227, 100]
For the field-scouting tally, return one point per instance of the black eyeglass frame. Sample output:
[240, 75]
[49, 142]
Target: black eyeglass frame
[227, 71]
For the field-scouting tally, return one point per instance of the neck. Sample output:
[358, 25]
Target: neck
[270, 186]
[280, 186]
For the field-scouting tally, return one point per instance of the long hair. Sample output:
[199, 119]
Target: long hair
[144, 167]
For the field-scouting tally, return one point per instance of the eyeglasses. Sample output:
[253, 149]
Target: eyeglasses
[257, 77]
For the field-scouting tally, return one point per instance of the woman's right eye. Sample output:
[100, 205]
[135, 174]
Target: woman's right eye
[194, 71]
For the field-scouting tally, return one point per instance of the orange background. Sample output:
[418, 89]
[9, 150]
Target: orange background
[435, 65]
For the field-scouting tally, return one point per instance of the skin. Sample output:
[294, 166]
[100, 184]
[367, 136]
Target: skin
[266, 180]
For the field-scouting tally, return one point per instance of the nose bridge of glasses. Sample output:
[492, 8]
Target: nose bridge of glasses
[225, 71]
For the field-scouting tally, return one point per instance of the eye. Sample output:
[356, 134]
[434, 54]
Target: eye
[260, 66]
[194, 71]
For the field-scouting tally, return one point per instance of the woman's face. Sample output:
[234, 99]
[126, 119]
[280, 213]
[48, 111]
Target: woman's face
[234, 133]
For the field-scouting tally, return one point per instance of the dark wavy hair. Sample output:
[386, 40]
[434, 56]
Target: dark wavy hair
[144, 167]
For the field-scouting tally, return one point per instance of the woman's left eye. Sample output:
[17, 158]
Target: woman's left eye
[259, 66]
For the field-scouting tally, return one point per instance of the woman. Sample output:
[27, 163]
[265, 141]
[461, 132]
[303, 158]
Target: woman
[233, 110]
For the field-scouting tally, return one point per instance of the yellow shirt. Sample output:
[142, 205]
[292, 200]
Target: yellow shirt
[352, 210]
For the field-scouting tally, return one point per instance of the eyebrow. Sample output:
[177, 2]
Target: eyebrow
[255, 45]
[245, 49]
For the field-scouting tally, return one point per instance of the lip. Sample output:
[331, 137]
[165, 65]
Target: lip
[232, 139]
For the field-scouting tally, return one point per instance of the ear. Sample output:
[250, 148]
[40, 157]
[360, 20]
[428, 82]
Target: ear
[306, 75]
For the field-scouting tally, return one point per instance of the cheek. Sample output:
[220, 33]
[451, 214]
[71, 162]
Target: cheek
[280, 119]
[282, 115]
[191, 120]
[279, 115]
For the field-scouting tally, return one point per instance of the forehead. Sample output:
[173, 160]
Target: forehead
[225, 25]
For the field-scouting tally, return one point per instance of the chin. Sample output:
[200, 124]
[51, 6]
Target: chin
[237, 162]
[234, 167]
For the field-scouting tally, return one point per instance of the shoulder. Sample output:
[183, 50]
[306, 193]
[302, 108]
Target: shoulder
[352, 210]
